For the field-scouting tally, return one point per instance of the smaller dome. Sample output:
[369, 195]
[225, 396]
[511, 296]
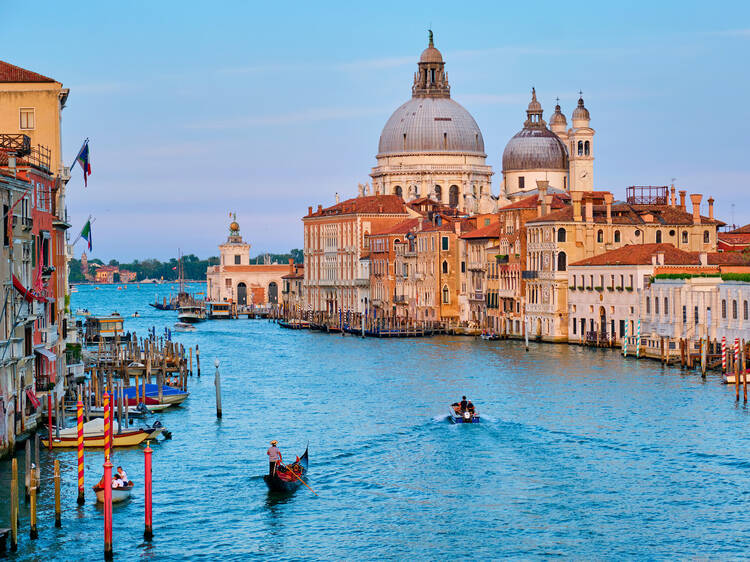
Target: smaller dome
[558, 118]
[431, 54]
[534, 105]
[581, 112]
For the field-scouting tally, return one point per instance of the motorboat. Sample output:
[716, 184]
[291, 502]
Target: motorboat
[184, 327]
[83, 312]
[119, 494]
[457, 415]
[93, 435]
[170, 395]
[192, 313]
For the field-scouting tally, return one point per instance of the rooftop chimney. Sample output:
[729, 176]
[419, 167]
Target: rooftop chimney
[576, 197]
[542, 187]
[710, 207]
[337, 197]
[291, 265]
[660, 258]
[703, 257]
[12, 163]
[320, 208]
[309, 210]
[608, 201]
[695, 199]
[682, 200]
[457, 227]
[672, 197]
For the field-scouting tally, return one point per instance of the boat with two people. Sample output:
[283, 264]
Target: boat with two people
[122, 487]
[463, 412]
[184, 327]
[287, 478]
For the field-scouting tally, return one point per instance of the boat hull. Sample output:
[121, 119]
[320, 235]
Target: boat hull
[118, 494]
[277, 484]
[455, 417]
[96, 441]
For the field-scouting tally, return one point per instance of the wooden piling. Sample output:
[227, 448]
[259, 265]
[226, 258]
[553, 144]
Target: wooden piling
[14, 506]
[191, 361]
[27, 470]
[198, 359]
[217, 384]
[37, 467]
[120, 392]
[58, 516]
[33, 534]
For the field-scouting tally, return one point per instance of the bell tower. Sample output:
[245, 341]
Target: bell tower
[581, 149]
[235, 251]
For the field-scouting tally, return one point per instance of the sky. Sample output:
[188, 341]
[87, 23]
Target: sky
[263, 109]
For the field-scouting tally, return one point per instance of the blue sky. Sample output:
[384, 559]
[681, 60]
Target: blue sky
[196, 109]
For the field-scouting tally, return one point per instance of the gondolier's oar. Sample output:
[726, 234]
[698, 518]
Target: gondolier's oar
[299, 478]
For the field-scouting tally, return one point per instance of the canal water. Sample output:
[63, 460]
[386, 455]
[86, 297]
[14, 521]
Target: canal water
[581, 454]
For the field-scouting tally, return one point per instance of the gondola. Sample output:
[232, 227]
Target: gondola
[285, 480]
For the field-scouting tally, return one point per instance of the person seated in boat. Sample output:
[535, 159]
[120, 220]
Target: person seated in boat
[274, 457]
[117, 482]
[470, 408]
[123, 475]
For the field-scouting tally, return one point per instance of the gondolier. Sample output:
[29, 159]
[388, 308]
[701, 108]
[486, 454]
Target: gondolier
[274, 457]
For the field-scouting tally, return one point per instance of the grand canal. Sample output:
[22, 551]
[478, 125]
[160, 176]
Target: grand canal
[582, 454]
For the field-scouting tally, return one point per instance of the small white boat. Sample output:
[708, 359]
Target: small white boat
[83, 312]
[118, 494]
[184, 327]
[729, 377]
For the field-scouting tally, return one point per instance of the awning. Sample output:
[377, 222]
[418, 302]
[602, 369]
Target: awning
[46, 353]
[33, 398]
[28, 295]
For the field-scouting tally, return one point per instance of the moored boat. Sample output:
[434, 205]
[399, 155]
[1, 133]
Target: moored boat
[288, 478]
[93, 436]
[184, 327]
[170, 395]
[192, 313]
[729, 378]
[118, 494]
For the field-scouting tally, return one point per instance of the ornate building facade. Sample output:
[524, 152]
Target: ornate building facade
[432, 147]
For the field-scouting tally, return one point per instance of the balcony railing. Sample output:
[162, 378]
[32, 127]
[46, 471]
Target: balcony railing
[20, 144]
[529, 274]
[477, 296]
[399, 299]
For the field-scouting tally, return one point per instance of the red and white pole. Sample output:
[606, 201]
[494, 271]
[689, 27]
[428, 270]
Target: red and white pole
[736, 351]
[107, 428]
[723, 354]
[79, 413]
[148, 533]
[107, 509]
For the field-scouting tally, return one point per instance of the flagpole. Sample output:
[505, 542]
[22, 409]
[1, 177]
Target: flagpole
[91, 220]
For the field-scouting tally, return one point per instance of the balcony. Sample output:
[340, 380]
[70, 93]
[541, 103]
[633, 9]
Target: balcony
[476, 296]
[362, 282]
[20, 144]
[529, 274]
[400, 299]
[501, 258]
[477, 265]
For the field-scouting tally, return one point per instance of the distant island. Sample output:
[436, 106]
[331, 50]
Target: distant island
[85, 270]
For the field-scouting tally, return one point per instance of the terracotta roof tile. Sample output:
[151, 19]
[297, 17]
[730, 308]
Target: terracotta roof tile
[628, 214]
[741, 230]
[728, 258]
[490, 231]
[12, 73]
[368, 205]
[400, 228]
[640, 254]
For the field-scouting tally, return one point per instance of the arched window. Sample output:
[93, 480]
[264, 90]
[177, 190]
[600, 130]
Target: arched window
[734, 310]
[745, 310]
[453, 196]
[398, 191]
[706, 237]
[445, 267]
[439, 193]
[586, 148]
[723, 308]
[600, 236]
[562, 261]
[580, 148]
[446, 295]
[561, 235]
[617, 236]
[658, 236]
[684, 237]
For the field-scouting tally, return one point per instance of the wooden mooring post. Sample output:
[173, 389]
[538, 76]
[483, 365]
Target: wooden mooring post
[217, 384]
[14, 505]
[58, 515]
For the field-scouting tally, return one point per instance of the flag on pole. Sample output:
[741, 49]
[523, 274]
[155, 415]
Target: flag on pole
[86, 233]
[83, 160]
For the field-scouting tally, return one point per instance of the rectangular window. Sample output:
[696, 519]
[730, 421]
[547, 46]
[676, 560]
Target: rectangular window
[5, 225]
[237, 259]
[684, 315]
[26, 118]
[521, 182]
[656, 305]
[696, 315]
[574, 329]
[445, 243]
[463, 267]
[648, 305]
[666, 306]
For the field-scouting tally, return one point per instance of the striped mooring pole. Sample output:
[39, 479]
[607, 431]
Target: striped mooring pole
[736, 351]
[107, 428]
[723, 354]
[625, 341]
[79, 413]
[638, 340]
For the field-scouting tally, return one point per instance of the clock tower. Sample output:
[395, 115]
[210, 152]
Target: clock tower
[581, 149]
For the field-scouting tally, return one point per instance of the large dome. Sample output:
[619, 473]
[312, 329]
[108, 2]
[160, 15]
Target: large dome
[426, 124]
[535, 149]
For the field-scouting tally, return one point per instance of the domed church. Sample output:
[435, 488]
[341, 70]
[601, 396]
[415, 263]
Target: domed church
[562, 156]
[432, 147]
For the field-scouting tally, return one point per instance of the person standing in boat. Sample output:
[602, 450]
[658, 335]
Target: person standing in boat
[123, 475]
[274, 457]
[463, 404]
